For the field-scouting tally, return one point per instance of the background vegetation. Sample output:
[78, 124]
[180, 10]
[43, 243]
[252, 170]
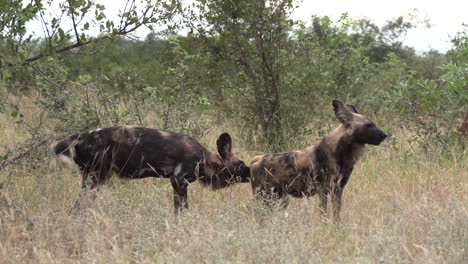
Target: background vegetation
[247, 68]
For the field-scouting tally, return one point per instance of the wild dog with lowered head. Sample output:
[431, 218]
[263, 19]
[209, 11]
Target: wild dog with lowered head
[324, 168]
[138, 152]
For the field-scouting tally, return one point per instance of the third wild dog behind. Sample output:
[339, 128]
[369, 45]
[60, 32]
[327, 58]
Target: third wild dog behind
[324, 168]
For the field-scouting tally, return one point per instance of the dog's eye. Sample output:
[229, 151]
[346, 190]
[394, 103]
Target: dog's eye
[369, 125]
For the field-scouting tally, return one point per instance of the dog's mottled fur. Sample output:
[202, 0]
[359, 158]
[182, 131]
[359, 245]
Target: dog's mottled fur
[138, 152]
[324, 168]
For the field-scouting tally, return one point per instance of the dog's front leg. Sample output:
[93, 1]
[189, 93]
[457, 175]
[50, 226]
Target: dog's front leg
[323, 200]
[336, 200]
[180, 194]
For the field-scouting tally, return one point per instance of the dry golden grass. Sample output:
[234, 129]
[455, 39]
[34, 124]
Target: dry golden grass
[400, 206]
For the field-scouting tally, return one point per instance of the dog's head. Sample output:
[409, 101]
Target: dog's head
[361, 128]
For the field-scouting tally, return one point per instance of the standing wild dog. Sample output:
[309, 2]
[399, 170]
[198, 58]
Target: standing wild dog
[324, 168]
[138, 152]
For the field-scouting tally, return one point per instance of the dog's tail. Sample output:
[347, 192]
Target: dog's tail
[62, 150]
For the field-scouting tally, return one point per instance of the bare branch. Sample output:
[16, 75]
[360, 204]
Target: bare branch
[46, 31]
[123, 14]
[45, 77]
[121, 18]
[70, 47]
[21, 156]
[36, 129]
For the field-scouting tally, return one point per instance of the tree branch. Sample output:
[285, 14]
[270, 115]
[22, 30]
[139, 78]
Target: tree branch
[121, 32]
[121, 18]
[45, 77]
[72, 11]
[19, 157]
[46, 31]
[80, 44]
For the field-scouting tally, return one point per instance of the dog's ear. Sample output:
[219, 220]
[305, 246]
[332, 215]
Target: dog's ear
[352, 108]
[342, 112]
[224, 144]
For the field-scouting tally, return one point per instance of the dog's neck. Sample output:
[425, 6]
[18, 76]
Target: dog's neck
[213, 163]
[341, 145]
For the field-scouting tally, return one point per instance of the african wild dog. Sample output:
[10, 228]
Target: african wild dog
[138, 152]
[324, 168]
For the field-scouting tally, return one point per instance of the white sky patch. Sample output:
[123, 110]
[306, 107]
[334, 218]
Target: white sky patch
[446, 17]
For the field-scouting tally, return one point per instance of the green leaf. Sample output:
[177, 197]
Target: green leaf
[100, 7]
[100, 16]
[61, 33]
[109, 25]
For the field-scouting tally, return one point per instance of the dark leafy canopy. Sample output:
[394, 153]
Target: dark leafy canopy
[246, 60]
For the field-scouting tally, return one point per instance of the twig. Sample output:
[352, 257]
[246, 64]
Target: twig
[45, 77]
[121, 18]
[72, 11]
[21, 156]
[46, 31]
[34, 133]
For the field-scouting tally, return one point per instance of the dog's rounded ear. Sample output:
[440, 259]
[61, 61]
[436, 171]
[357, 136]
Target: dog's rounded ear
[224, 144]
[352, 108]
[342, 112]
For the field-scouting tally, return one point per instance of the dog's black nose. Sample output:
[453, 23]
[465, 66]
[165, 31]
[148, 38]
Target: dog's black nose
[383, 136]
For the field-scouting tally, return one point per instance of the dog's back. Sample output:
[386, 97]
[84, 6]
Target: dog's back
[132, 152]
